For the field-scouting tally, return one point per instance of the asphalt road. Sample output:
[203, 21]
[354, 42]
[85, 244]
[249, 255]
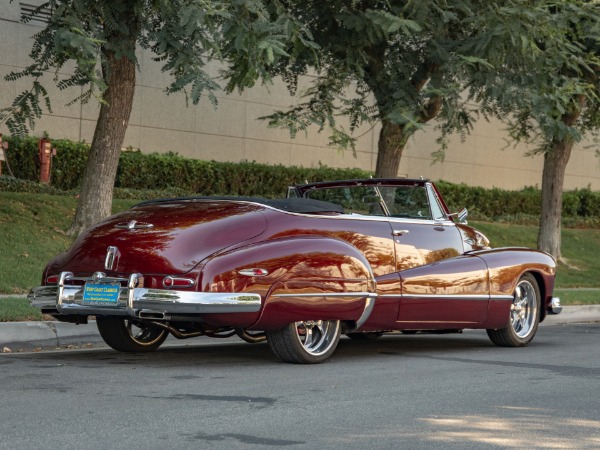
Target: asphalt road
[423, 391]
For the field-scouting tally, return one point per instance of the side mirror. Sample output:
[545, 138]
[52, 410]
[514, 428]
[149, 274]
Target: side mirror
[462, 215]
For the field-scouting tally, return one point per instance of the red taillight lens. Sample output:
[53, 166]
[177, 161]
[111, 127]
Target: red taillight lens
[52, 279]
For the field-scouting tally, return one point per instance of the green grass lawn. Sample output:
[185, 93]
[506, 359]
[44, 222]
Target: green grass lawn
[17, 309]
[32, 232]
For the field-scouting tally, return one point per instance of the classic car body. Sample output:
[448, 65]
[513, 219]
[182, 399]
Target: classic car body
[360, 257]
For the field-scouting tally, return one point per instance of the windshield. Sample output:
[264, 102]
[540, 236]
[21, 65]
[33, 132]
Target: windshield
[393, 201]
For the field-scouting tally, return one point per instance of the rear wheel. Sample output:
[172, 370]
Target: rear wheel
[524, 315]
[127, 335]
[308, 342]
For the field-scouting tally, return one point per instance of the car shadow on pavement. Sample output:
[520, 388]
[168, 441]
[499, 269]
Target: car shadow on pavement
[211, 352]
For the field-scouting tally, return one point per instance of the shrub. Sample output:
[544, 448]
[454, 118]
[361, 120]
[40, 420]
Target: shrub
[156, 175]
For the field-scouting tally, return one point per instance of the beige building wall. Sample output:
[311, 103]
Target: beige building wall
[232, 131]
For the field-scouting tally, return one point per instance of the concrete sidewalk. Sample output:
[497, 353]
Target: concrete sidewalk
[27, 336]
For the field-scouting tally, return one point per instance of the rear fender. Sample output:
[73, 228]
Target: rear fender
[306, 278]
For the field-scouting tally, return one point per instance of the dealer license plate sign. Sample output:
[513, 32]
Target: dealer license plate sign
[101, 294]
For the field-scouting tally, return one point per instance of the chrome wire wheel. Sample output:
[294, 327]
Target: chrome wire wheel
[524, 310]
[305, 342]
[318, 336]
[524, 315]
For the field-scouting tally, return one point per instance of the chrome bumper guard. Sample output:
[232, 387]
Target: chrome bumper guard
[138, 301]
[555, 307]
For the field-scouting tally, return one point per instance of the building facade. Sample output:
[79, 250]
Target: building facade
[233, 132]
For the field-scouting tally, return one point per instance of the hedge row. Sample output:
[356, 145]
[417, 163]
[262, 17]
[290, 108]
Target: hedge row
[167, 174]
[168, 171]
[494, 203]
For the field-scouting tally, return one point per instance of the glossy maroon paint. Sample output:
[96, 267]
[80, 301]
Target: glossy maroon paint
[424, 274]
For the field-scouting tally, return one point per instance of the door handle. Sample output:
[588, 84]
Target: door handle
[400, 232]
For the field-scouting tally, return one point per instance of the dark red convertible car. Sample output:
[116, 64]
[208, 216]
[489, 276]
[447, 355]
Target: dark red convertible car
[358, 257]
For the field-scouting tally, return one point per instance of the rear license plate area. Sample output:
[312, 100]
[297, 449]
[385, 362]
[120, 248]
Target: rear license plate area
[101, 294]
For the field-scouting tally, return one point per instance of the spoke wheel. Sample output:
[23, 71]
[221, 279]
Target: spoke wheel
[308, 342]
[127, 335]
[524, 315]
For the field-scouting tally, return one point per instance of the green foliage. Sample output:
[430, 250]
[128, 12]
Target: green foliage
[406, 63]
[68, 165]
[25, 108]
[182, 35]
[32, 229]
[556, 98]
[522, 206]
[146, 176]
[18, 309]
[159, 175]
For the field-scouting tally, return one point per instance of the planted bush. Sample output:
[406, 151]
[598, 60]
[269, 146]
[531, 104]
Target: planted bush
[155, 175]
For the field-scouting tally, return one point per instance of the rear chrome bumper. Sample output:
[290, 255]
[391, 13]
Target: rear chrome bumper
[138, 301]
[555, 307]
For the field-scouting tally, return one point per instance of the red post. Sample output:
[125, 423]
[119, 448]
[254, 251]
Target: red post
[45, 152]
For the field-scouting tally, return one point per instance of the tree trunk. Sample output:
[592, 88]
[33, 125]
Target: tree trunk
[553, 176]
[98, 182]
[390, 147]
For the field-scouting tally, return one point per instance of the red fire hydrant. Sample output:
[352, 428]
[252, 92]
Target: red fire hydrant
[45, 154]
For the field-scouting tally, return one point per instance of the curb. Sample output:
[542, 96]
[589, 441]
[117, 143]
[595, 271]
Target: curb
[574, 314]
[23, 336]
[46, 334]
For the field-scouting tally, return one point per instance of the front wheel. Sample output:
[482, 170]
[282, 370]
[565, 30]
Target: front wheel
[126, 335]
[524, 315]
[308, 342]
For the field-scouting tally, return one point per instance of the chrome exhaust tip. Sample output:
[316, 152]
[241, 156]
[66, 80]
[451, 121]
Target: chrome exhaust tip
[152, 315]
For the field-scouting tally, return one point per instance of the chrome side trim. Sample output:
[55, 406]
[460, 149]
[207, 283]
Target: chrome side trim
[449, 296]
[330, 294]
[134, 225]
[369, 305]
[346, 216]
[68, 299]
[502, 297]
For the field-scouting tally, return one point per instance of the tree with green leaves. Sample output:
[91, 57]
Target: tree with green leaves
[401, 63]
[404, 63]
[100, 39]
[555, 102]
